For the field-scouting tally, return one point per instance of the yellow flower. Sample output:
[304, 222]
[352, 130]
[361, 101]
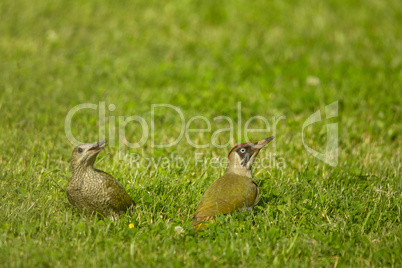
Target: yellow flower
[131, 225]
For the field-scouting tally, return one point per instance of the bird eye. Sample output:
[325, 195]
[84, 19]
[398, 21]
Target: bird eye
[80, 150]
[242, 150]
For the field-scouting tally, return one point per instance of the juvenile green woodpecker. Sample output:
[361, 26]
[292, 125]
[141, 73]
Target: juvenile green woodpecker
[235, 190]
[93, 190]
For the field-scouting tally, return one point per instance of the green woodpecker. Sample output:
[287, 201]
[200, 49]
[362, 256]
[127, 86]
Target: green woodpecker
[93, 190]
[235, 190]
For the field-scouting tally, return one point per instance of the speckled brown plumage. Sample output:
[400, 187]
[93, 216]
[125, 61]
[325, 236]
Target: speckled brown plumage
[93, 190]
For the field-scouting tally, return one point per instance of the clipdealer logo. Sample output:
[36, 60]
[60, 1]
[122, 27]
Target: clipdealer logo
[148, 129]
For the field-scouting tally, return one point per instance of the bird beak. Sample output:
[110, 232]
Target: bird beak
[97, 147]
[258, 145]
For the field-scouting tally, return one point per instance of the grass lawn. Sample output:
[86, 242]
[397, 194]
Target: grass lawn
[279, 60]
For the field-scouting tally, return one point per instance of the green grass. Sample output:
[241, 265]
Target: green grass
[204, 58]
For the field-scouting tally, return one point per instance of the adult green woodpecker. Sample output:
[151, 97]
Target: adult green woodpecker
[93, 190]
[235, 190]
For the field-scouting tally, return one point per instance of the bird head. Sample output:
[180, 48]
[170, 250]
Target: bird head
[84, 155]
[242, 156]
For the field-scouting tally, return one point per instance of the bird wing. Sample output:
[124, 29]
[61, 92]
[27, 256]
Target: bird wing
[228, 193]
[257, 199]
[119, 199]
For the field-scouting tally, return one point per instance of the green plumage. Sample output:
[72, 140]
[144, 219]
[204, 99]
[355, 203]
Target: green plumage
[228, 193]
[236, 190]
